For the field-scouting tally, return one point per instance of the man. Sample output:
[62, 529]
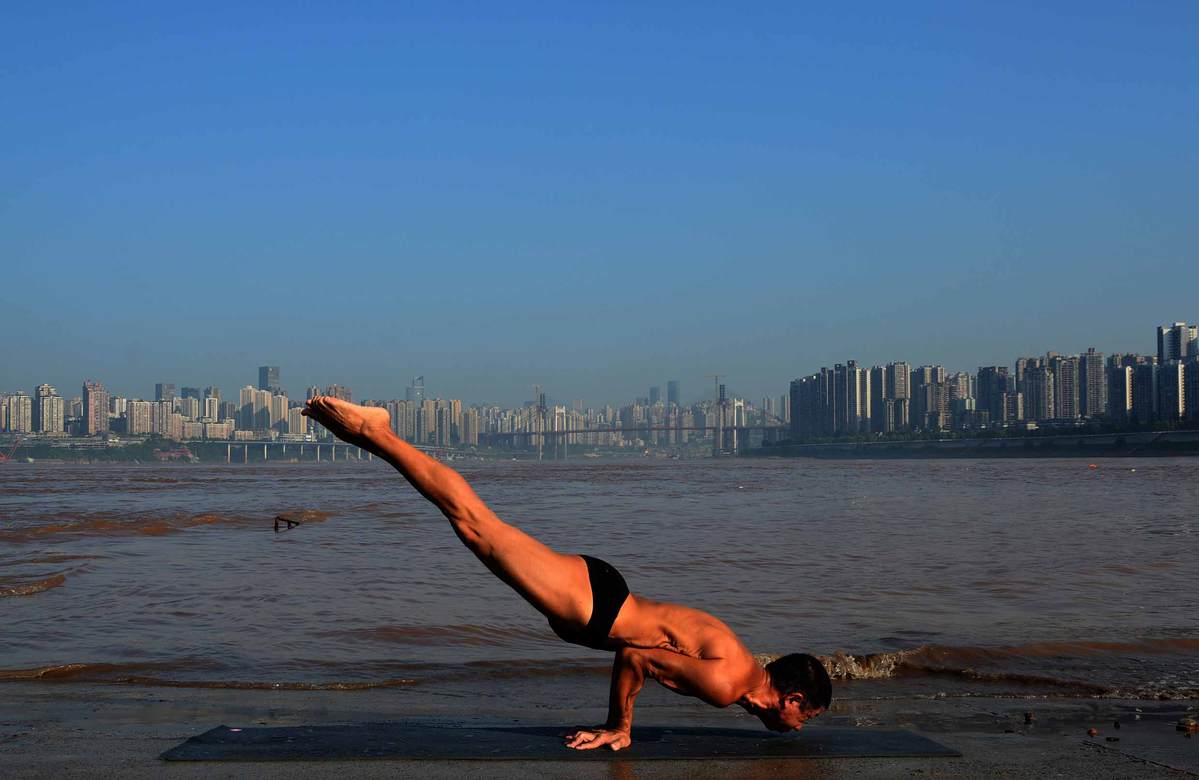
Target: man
[587, 602]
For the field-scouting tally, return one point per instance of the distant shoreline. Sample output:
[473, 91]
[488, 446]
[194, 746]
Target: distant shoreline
[1142, 444]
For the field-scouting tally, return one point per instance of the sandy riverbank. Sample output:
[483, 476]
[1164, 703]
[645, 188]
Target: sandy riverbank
[119, 731]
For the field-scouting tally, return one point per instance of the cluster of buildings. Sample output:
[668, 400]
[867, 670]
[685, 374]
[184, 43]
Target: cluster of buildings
[265, 412]
[1056, 390]
[174, 413]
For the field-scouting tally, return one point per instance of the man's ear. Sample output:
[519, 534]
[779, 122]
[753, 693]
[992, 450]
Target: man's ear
[796, 698]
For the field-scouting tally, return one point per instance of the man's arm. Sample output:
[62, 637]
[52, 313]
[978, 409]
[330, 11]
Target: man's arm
[706, 679]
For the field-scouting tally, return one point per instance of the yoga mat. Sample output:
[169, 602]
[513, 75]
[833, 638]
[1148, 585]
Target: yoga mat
[457, 741]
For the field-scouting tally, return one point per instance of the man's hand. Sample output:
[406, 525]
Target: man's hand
[589, 739]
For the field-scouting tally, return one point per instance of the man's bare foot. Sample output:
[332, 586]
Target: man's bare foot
[360, 425]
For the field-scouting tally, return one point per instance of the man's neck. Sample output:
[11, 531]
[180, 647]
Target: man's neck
[760, 695]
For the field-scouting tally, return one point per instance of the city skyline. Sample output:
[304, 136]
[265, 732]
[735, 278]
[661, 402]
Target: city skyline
[849, 399]
[698, 386]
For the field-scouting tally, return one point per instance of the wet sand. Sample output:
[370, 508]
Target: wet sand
[105, 730]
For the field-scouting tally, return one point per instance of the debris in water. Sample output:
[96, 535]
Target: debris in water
[1029, 717]
[1116, 725]
[1092, 732]
[290, 524]
[1189, 725]
[1092, 466]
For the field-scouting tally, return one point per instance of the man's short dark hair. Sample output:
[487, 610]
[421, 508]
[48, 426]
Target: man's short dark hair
[802, 673]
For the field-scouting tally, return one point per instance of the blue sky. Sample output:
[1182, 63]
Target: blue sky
[593, 197]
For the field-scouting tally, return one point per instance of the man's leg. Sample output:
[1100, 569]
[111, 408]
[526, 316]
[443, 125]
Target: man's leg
[556, 585]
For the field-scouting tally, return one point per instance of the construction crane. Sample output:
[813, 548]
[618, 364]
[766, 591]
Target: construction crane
[8, 456]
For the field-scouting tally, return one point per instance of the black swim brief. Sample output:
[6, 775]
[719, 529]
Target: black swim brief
[608, 594]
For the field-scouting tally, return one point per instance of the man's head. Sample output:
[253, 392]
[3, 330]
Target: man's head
[803, 688]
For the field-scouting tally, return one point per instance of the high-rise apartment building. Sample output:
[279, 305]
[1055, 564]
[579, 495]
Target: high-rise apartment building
[426, 422]
[191, 392]
[1039, 395]
[297, 423]
[930, 399]
[340, 391]
[165, 391]
[139, 417]
[1177, 341]
[213, 392]
[278, 418]
[20, 413]
[1092, 385]
[48, 411]
[655, 395]
[1145, 391]
[1190, 384]
[879, 400]
[1065, 386]
[470, 428]
[1119, 389]
[95, 409]
[1171, 393]
[899, 380]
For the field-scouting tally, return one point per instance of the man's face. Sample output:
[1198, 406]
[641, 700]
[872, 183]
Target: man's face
[787, 718]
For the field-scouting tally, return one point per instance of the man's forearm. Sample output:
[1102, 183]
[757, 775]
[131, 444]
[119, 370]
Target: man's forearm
[628, 676]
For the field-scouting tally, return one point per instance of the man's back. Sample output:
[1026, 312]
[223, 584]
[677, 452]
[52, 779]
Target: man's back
[686, 631]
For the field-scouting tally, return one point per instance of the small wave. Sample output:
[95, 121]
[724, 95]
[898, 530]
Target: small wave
[456, 635]
[117, 674]
[146, 526]
[31, 588]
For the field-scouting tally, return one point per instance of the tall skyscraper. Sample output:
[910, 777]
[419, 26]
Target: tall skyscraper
[655, 394]
[213, 392]
[1093, 385]
[268, 379]
[95, 408]
[1177, 341]
[415, 392]
[672, 392]
[992, 392]
[165, 391]
[191, 392]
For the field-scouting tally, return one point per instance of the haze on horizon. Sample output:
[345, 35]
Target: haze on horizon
[595, 199]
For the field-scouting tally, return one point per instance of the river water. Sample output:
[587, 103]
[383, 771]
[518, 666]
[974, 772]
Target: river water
[1020, 577]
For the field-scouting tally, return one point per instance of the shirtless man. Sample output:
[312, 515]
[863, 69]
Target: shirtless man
[587, 602]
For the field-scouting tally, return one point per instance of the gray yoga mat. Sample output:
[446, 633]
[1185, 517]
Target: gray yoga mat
[408, 740]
